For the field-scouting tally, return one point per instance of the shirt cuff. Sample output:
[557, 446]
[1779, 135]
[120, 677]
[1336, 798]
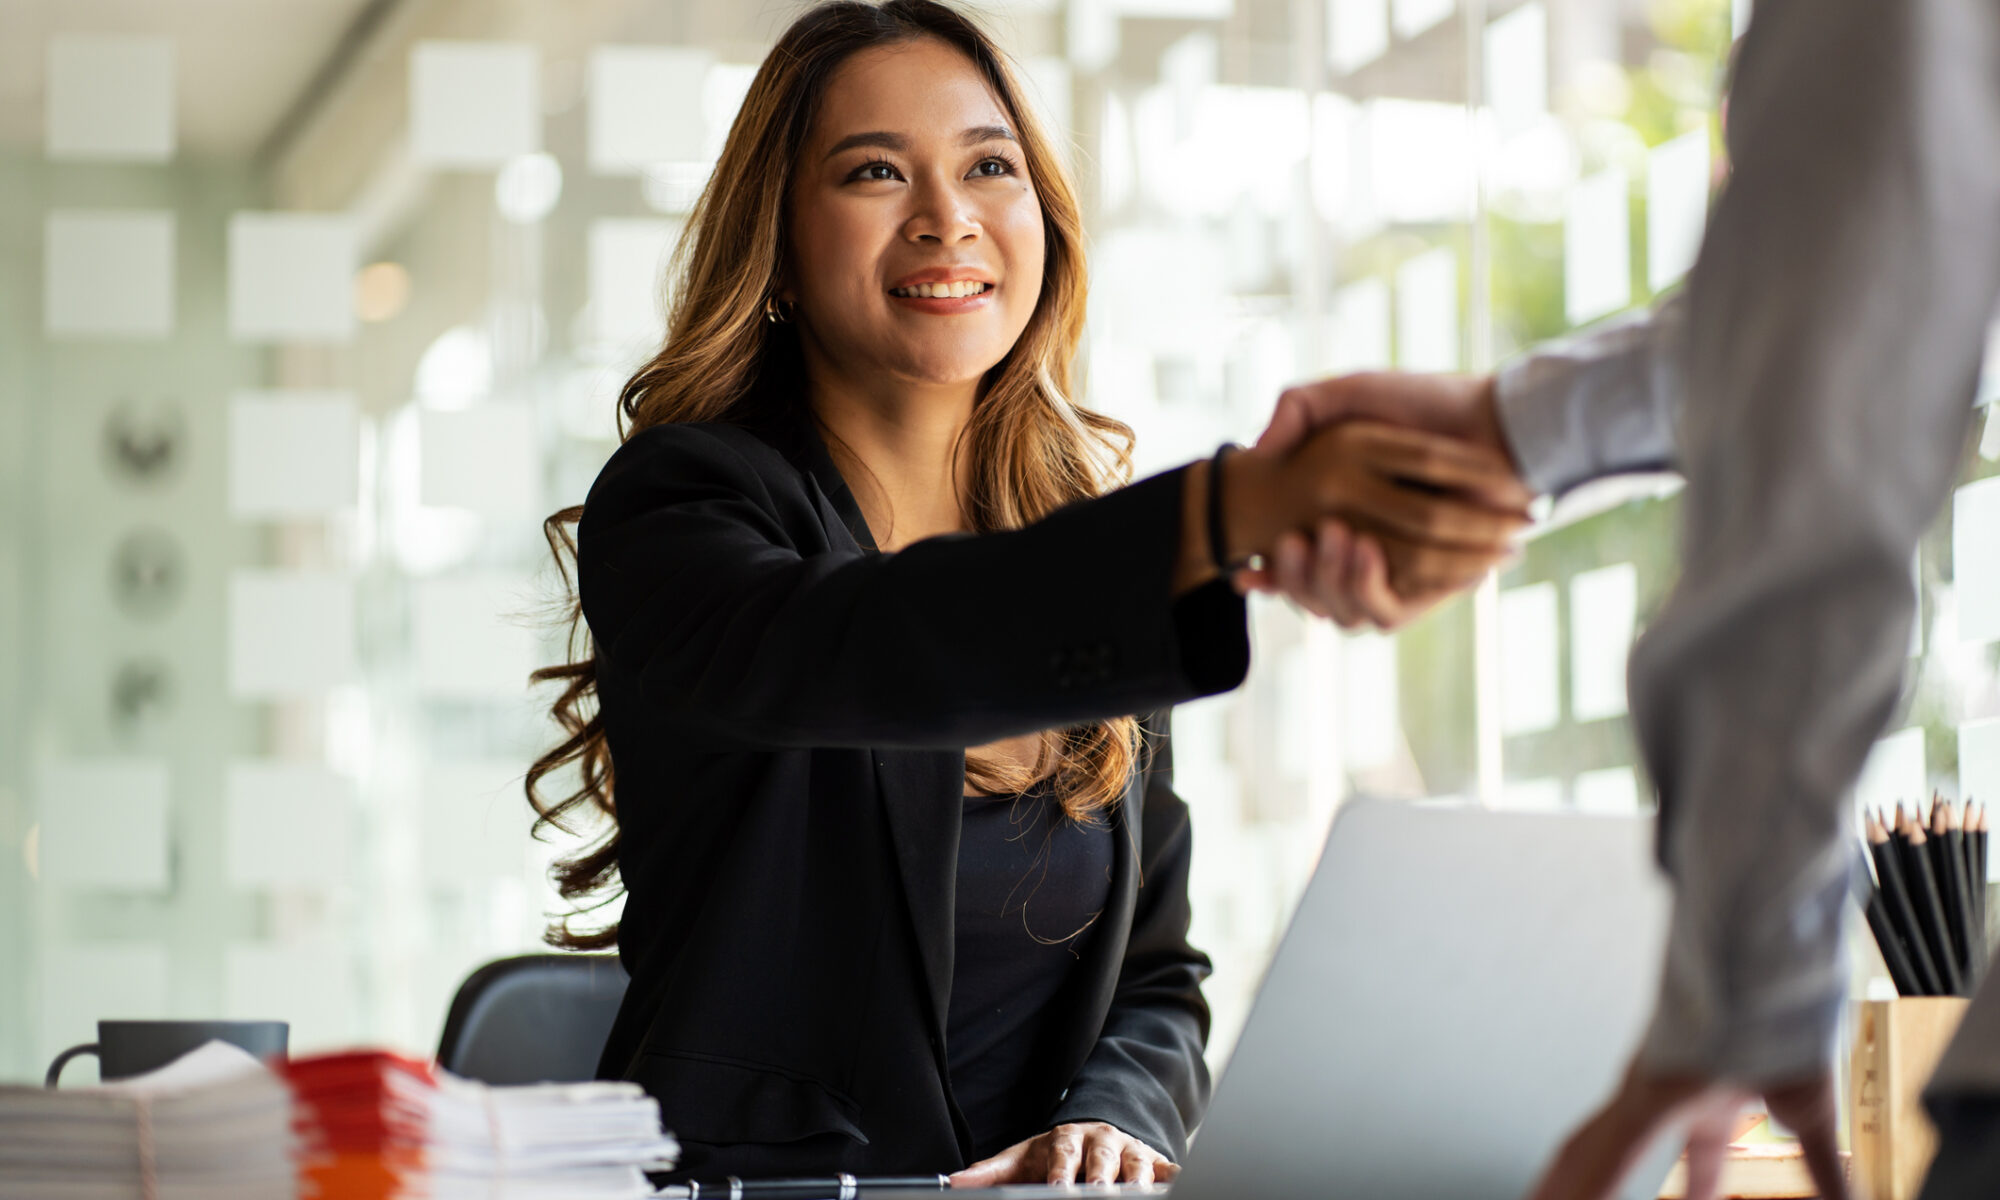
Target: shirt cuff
[1212, 631]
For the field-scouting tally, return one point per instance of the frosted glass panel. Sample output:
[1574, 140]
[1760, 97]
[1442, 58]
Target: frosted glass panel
[1532, 795]
[286, 824]
[1614, 791]
[1979, 767]
[1975, 549]
[475, 822]
[1517, 68]
[293, 454]
[1371, 730]
[1597, 247]
[291, 277]
[474, 104]
[1529, 686]
[1360, 334]
[1677, 174]
[1413, 17]
[110, 98]
[628, 259]
[483, 458]
[290, 633]
[474, 636]
[108, 274]
[646, 107]
[308, 983]
[104, 824]
[1427, 312]
[1894, 773]
[1603, 609]
[1357, 32]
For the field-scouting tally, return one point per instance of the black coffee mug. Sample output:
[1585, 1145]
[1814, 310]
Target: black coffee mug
[128, 1048]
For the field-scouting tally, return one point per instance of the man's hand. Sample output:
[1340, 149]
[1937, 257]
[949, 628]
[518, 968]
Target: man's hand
[1088, 1152]
[1342, 573]
[1598, 1156]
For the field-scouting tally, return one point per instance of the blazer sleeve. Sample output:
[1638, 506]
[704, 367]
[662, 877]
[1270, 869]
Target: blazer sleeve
[1146, 1074]
[698, 595]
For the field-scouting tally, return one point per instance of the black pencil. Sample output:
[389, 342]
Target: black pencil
[1891, 946]
[1975, 854]
[1954, 825]
[1901, 913]
[1930, 906]
[1947, 855]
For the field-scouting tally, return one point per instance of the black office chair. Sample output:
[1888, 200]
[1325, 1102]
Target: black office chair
[536, 1018]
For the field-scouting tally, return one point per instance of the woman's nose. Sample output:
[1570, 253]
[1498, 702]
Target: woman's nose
[942, 214]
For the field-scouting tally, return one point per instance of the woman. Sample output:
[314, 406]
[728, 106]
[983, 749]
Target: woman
[858, 526]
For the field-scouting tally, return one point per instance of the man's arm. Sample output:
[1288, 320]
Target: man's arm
[1834, 330]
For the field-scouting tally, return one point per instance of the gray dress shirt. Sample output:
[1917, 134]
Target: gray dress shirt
[1814, 385]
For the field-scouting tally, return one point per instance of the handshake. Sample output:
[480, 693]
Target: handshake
[1372, 497]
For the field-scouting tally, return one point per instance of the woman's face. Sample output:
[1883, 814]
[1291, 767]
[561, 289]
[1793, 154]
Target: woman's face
[916, 237]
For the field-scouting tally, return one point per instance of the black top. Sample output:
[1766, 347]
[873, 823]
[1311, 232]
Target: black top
[787, 709]
[1031, 884]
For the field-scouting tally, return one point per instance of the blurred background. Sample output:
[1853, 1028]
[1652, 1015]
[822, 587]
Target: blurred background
[310, 312]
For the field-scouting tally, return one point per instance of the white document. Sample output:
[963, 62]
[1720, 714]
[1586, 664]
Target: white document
[1357, 32]
[83, 983]
[1427, 311]
[1677, 175]
[628, 264]
[1360, 334]
[1894, 773]
[1613, 791]
[1603, 614]
[474, 105]
[110, 98]
[291, 633]
[1530, 699]
[309, 983]
[108, 274]
[484, 458]
[1517, 68]
[1979, 768]
[1975, 551]
[293, 453]
[104, 823]
[474, 822]
[646, 107]
[291, 277]
[475, 636]
[286, 825]
[1413, 17]
[1597, 248]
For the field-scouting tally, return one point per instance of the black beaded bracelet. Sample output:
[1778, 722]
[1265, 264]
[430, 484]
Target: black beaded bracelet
[1215, 538]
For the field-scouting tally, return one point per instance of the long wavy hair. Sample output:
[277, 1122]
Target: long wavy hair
[1033, 448]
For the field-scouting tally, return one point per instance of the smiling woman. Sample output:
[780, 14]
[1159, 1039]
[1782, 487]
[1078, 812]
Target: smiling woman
[880, 653]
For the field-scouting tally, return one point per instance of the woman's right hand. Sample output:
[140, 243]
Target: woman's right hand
[1443, 511]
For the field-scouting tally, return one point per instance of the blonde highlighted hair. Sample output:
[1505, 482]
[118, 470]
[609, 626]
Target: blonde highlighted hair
[1033, 448]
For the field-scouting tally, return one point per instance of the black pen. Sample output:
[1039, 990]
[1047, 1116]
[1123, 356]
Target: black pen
[825, 1187]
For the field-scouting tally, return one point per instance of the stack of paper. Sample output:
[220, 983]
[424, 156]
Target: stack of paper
[376, 1124]
[214, 1124]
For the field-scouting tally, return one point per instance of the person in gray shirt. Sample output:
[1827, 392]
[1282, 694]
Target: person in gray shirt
[1814, 383]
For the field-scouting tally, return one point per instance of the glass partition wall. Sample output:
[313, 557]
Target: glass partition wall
[291, 372]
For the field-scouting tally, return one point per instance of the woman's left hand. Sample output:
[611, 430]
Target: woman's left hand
[1087, 1152]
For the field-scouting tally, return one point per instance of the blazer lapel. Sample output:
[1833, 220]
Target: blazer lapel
[920, 788]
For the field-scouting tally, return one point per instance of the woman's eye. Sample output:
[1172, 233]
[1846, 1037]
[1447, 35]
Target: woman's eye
[876, 170]
[993, 166]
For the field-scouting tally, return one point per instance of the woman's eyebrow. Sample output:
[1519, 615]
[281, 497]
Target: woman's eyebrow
[896, 141]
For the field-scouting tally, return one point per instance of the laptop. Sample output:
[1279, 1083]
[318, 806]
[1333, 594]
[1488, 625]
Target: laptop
[1458, 989]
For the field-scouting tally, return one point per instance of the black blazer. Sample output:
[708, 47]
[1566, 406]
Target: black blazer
[787, 710]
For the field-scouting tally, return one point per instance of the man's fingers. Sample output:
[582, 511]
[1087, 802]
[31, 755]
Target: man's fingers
[1065, 1154]
[1440, 462]
[1136, 1165]
[1442, 518]
[1100, 1160]
[990, 1172]
[1298, 412]
[1368, 583]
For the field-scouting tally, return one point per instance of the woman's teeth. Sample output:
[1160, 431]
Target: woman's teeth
[964, 287]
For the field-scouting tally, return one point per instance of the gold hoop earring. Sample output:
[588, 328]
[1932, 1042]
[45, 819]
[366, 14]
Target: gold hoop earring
[776, 311]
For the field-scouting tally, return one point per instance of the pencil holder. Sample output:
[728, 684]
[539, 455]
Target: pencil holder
[1897, 1044]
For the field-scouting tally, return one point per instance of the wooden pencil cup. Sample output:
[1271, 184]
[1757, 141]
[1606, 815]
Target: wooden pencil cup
[1897, 1044]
